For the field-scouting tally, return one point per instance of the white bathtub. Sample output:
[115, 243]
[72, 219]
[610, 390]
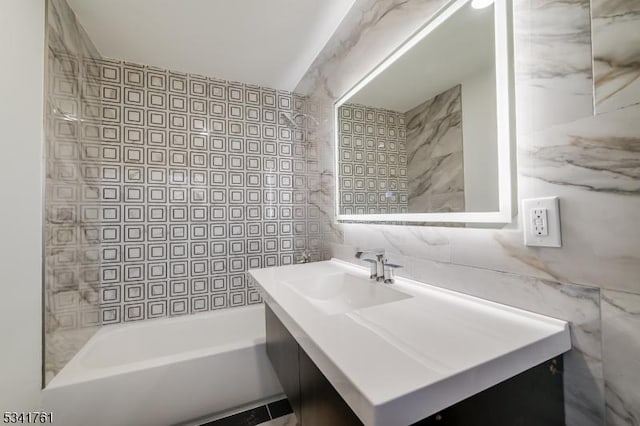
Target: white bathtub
[165, 371]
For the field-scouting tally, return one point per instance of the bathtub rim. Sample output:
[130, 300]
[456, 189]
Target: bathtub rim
[80, 374]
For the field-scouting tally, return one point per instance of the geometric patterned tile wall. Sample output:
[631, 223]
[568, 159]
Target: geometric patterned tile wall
[373, 160]
[201, 180]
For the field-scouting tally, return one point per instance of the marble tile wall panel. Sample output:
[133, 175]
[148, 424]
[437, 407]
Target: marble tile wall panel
[593, 166]
[363, 40]
[321, 166]
[435, 166]
[616, 53]
[373, 160]
[621, 349]
[418, 241]
[65, 33]
[62, 345]
[72, 105]
[552, 62]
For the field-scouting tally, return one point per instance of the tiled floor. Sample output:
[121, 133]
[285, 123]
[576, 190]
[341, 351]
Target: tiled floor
[277, 413]
[288, 420]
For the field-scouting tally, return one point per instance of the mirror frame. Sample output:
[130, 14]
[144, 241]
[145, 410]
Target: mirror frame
[505, 119]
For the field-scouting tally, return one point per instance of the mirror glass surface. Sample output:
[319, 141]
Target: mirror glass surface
[419, 135]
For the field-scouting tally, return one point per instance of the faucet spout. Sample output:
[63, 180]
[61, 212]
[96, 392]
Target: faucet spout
[376, 259]
[374, 252]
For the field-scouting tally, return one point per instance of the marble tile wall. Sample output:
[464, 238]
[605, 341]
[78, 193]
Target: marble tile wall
[435, 164]
[72, 264]
[373, 160]
[621, 345]
[590, 161]
[616, 53]
[553, 62]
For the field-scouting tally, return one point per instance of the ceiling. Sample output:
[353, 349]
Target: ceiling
[269, 43]
[461, 46]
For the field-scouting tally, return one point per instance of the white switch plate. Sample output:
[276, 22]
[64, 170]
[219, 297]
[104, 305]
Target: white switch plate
[542, 222]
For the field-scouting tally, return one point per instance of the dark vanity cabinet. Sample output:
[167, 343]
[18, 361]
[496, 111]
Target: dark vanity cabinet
[321, 404]
[532, 398]
[313, 399]
[283, 352]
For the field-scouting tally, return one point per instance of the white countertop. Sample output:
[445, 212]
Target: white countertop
[399, 362]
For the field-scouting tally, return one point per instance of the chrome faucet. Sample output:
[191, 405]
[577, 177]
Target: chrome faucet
[375, 262]
[379, 269]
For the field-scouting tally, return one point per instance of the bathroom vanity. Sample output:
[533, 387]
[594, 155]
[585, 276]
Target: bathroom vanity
[350, 351]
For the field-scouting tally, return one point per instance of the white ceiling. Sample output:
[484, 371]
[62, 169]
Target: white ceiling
[266, 42]
[461, 46]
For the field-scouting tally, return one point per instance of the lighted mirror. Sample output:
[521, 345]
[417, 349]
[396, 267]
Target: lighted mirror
[426, 136]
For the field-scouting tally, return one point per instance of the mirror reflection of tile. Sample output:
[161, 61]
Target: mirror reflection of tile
[402, 162]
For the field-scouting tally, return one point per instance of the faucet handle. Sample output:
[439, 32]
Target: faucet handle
[388, 272]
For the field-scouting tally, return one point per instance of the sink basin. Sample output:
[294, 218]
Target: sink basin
[343, 292]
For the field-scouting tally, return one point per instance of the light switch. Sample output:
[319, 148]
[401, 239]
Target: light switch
[542, 222]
